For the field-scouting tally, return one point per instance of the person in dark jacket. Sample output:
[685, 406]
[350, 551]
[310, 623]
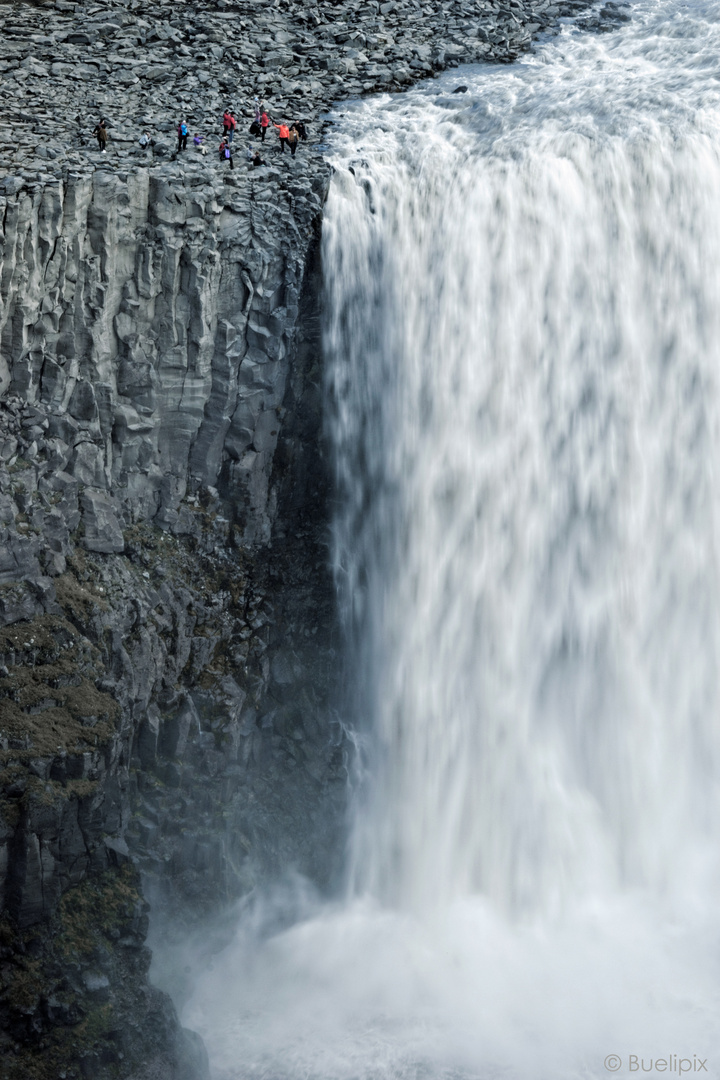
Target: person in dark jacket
[100, 131]
[255, 128]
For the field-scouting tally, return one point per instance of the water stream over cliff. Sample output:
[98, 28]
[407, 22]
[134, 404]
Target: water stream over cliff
[524, 397]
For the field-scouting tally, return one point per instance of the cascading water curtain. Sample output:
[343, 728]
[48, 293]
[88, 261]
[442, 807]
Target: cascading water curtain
[524, 378]
[522, 300]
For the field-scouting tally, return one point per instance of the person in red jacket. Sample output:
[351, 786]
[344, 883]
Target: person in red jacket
[227, 122]
[284, 134]
[264, 124]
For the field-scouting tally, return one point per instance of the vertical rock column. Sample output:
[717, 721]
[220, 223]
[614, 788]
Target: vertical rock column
[148, 317]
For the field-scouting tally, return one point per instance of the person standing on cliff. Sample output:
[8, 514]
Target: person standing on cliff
[100, 131]
[182, 135]
[255, 126]
[283, 134]
[293, 139]
[226, 123]
[264, 124]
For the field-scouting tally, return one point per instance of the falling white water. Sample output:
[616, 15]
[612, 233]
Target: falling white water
[523, 296]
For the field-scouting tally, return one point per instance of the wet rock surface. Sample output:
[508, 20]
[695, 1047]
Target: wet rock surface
[77, 991]
[168, 645]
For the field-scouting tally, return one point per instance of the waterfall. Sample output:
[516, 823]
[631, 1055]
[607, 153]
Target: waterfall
[524, 380]
[523, 350]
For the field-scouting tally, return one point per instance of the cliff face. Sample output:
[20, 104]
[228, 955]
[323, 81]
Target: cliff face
[139, 314]
[158, 694]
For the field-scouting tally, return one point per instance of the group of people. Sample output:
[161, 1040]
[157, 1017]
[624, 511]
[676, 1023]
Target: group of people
[288, 135]
[183, 133]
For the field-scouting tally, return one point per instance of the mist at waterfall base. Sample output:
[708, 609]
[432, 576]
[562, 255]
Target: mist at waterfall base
[523, 288]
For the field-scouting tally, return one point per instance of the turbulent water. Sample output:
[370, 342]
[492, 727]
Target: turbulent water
[523, 296]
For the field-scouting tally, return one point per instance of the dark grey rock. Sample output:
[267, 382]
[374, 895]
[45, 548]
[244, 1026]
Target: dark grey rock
[82, 403]
[102, 528]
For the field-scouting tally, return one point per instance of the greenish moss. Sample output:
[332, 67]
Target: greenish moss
[20, 465]
[81, 789]
[42, 958]
[47, 700]
[102, 903]
[76, 598]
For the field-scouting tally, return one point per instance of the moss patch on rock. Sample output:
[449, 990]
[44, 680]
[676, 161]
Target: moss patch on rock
[48, 701]
[67, 987]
